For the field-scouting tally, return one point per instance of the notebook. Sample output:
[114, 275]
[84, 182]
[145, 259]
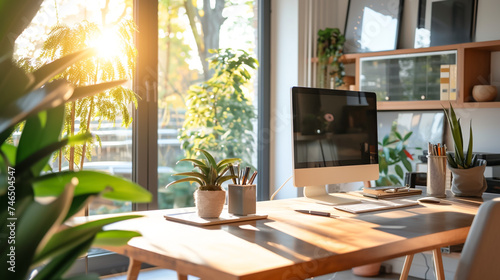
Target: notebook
[390, 192]
[376, 205]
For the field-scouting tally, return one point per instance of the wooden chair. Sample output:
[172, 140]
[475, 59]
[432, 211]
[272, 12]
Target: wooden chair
[478, 259]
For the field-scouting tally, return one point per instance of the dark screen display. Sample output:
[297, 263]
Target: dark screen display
[333, 127]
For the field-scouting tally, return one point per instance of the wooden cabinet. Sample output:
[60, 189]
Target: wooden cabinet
[473, 68]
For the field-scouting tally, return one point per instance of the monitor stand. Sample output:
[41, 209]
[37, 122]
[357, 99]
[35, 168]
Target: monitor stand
[319, 194]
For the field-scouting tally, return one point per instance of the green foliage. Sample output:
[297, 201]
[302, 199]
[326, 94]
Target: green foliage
[211, 175]
[219, 117]
[459, 160]
[109, 103]
[330, 49]
[40, 202]
[393, 152]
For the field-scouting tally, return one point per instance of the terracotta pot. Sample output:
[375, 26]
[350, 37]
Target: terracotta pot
[367, 270]
[209, 204]
[484, 93]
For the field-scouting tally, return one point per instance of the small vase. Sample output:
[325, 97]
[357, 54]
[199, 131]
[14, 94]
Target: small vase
[469, 182]
[209, 204]
[484, 93]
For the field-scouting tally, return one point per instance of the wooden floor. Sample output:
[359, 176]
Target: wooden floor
[165, 274]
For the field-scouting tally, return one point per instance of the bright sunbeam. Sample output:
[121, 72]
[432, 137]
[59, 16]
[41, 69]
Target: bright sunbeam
[107, 45]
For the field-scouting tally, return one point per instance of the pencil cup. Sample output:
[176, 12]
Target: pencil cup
[242, 199]
[436, 176]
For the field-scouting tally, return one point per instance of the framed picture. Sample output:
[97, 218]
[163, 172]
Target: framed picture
[445, 22]
[372, 25]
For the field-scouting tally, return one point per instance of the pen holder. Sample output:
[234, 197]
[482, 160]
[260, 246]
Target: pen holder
[436, 176]
[242, 199]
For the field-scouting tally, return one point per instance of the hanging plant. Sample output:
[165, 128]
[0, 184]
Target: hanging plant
[330, 49]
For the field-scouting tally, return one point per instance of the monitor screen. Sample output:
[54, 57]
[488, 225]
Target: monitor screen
[334, 136]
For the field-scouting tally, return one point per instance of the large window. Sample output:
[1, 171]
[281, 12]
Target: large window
[141, 128]
[192, 112]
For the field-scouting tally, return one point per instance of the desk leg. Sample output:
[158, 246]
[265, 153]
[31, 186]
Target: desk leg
[406, 267]
[181, 276]
[438, 263]
[134, 267]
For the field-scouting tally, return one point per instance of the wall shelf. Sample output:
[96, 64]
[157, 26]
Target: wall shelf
[473, 68]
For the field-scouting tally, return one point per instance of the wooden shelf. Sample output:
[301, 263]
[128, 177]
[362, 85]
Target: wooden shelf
[431, 105]
[473, 68]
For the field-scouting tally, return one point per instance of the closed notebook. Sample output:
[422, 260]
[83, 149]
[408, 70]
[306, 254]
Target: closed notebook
[388, 192]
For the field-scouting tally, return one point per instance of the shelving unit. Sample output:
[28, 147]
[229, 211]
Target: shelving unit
[473, 68]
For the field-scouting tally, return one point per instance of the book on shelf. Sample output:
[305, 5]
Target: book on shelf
[444, 82]
[453, 82]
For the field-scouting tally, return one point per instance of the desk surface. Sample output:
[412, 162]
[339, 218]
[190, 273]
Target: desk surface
[293, 245]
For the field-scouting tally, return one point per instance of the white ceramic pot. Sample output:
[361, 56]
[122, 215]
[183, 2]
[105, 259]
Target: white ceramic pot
[484, 93]
[209, 204]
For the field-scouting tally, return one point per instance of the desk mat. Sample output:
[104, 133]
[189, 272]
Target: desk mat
[191, 218]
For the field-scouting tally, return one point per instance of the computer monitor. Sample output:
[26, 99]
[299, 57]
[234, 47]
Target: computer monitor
[334, 140]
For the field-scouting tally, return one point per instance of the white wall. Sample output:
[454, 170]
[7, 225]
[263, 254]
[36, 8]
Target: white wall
[284, 74]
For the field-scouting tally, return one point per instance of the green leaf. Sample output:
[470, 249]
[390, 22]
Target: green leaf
[66, 240]
[407, 136]
[48, 71]
[114, 237]
[222, 179]
[407, 164]
[394, 180]
[189, 179]
[40, 130]
[91, 182]
[50, 96]
[399, 171]
[383, 166]
[37, 224]
[222, 164]
[192, 174]
[469, 149]
[194, 161]
[451, 160]
[209, 157]
[51, 148]
[86, 91]
[10, 153]
[398, 135]
[61, 263]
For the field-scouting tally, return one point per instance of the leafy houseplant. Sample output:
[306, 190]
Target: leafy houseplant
[468, 171]
[393, 152]
[330, 49]
[219, 117]
[38, 202]
[209, 197]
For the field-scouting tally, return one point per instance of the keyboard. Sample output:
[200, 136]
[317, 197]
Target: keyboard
[376, 205]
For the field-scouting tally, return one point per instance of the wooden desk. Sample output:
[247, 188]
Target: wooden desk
[290, 245]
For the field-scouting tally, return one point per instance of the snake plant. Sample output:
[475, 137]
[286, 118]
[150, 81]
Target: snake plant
[459, 159]
[211, 173]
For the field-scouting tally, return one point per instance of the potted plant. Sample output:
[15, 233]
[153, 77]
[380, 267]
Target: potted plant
[209, 197]
[467, 170]
[330, 49]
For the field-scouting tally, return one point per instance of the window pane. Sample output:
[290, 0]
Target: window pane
[193, 111]
[57, 30]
